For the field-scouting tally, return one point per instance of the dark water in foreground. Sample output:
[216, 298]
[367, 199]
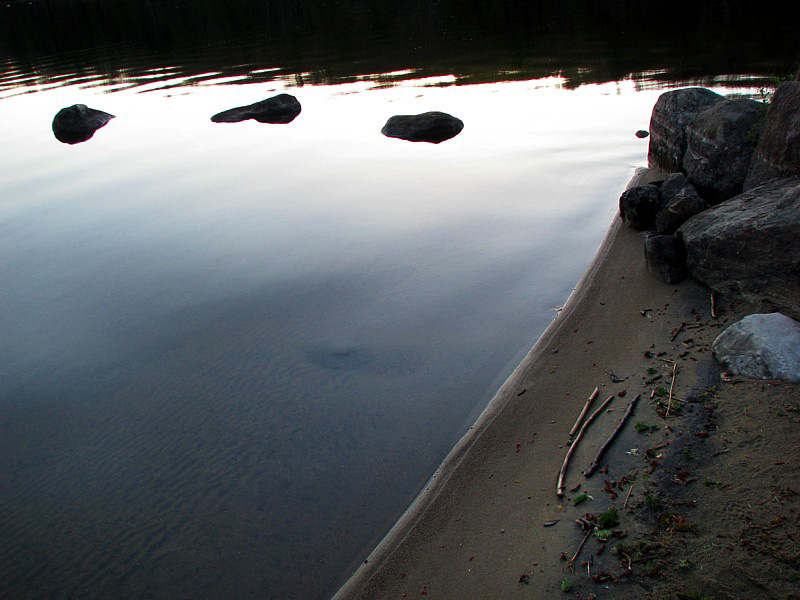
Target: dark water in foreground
[230, 355]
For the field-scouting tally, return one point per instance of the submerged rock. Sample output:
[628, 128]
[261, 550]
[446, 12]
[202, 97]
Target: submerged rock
[671, 115]
[639, 205]
[280, 109]
[761, 347]
[433, 127]
[77, 123]
[666, 258]
[720, 143]
[748, 246]
[778, 150]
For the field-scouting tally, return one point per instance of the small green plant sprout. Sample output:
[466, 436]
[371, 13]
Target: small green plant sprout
[607, 520]
[581, 498]
[651, 371]
[644, 427]
[566, 584]
[652, 503]
[603, 534]
[686, 454]
[661, 391]
[684, 563]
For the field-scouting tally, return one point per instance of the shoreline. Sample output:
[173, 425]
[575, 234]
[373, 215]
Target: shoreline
[372, 576]
[702, 481]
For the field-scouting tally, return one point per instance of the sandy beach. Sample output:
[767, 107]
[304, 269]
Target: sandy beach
[490, 525]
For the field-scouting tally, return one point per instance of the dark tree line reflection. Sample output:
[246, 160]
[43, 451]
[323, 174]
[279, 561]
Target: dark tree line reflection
[336, 40]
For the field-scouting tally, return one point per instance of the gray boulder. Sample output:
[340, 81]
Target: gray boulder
[761, 347]
[666, 258]
[433, 127]
[679, 209]
[748, 246]
[639, 205]
[720, 142]
[280, 109]
[671, 115]
[77, 123]
[778, 150]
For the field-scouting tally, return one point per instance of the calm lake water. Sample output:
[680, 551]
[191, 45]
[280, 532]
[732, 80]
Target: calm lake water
[231, 354]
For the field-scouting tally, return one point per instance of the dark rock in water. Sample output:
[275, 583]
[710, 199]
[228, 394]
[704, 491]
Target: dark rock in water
[719, 146]
[747, 246]
[666, 258]
[642, 134]
[77, 123]
[761, 347]
[639, 205]
[280, 109]
[431, 127]
[778, 150]
[672, 113]
[684, 205]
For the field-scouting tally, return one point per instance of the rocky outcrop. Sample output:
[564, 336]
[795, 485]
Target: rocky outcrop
[761, 347]
[77, 123]
[639, 205]
[778, 150]
[748, 246]
[280, 109]
[671, 115]
[433, 127]
[684, 205]
[719, 146]
[665, 258]
[672, 185]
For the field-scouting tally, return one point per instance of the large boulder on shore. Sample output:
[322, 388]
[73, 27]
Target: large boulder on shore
[77, 123]
[280, 109]
[639, 205]
[748, 246]
[778, 150]
[719, 146]
[761, 347]
[433, 127]
[665, 258]
[679, 209]
[671, 115]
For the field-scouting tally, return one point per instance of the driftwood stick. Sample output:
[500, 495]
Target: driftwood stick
[627, 497]
[562, 473]
[596, 463]
[713, 306]
[584, 411]
[671, 386]
[580, 547]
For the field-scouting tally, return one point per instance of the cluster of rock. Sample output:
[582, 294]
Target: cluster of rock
[78, 123]
[729, 212]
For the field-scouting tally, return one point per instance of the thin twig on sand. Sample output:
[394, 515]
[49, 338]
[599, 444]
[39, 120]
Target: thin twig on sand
[627, 497]
[596, 463]
[584, 411]
[580, 547]
[713, 306]
[562, 473]
[671, 386]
